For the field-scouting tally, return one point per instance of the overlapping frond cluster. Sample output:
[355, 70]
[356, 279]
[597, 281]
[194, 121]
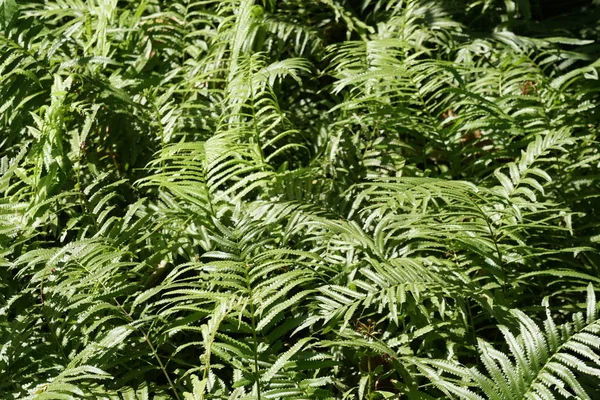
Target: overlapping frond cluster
[250, 199]
[553, 363]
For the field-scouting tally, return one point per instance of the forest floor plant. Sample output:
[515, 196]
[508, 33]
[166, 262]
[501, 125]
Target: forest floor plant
[328, 199]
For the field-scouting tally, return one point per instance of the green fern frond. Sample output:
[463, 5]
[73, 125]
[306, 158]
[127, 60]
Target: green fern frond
[541, 364]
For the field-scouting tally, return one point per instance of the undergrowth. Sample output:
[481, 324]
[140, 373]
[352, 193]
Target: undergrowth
[325, 199]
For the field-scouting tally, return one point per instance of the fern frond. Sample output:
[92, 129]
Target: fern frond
[542, 364]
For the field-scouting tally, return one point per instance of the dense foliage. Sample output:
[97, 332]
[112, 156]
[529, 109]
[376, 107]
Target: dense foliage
[307, 199]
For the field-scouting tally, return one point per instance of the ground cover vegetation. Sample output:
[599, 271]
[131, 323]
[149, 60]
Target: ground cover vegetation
[325, 199]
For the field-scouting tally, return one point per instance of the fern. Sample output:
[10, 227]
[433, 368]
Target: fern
[328, 199]
[542, 364]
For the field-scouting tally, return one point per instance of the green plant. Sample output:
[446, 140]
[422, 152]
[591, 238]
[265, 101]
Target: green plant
[325, 199]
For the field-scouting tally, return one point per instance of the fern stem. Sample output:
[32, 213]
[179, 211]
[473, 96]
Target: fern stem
[473, 334]
[256, 127]
[156, 356]
[498, 252]
[152, 349]
[146, 338]
[469, 311]
[370, 378]
[254, 336]
[46, 319]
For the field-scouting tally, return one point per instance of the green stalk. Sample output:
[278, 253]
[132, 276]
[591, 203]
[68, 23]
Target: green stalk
[254, 336]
